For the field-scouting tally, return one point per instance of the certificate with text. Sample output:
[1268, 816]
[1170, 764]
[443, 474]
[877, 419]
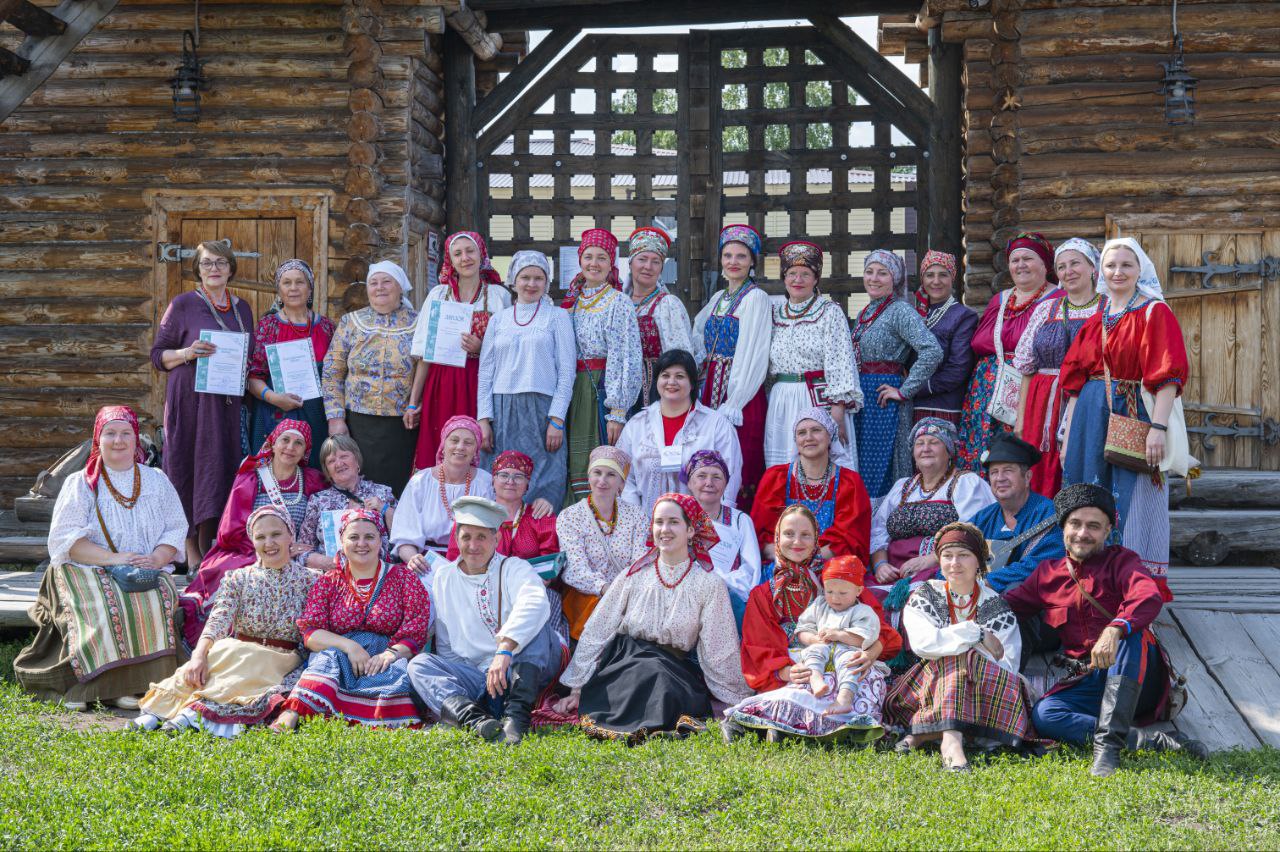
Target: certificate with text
[223, 372]
[293, 369]
[438, 337]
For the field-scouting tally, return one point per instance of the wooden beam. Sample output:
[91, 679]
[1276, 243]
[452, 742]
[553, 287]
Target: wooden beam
[504, 94]
[543, 88]
[464, 22]
[46, 54]
[531, 16]
[30, 18]
[869, 88]
[946, 181]
[460, 140]
[897, 84]
[12, 63]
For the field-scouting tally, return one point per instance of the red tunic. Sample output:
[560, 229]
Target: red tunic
[1146, 345]
[1015, 323]
[1116, 577]
[401, 612]
[849, 534]
[764, 643]
[535, 537]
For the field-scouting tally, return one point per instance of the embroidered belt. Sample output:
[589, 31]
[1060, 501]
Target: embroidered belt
[270, 643]
[585, 364]
[800, 377]
[1047, 371]
[880, 368]
[1100, 377]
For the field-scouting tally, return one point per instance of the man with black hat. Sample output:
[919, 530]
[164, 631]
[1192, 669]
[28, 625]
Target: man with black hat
[1102, 601]
[1020, 526]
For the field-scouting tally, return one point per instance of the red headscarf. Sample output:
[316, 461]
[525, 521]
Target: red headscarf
[792, 583]
[453, 424]
[595, 238]
[106, 414]
[513, 460]
[933, 258]
[704, 532]
[1038, 244]
[449, 276]
[264, 454]
[847, 568]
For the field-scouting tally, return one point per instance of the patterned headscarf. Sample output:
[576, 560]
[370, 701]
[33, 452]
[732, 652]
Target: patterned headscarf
[1086, 248]
[299, 427]
[595, 238]
[106, 414]
[897, 269]
[649, 239]
[792, 586]
[394, 270]
[350, 516]
[1038, 244]
[1148, 280]
[819, 415]
[703, 458]
[934, 258]
[513, 460]
[943, 430]
[290, 266]
[610, 457]
[800, 253]
[453, 424]
[449, 276]
[704, 532]
[744, 234]
[268, 509]
[522, 260]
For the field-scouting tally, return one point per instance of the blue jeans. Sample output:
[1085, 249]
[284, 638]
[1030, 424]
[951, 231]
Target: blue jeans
[434, 678]
[1071, 715]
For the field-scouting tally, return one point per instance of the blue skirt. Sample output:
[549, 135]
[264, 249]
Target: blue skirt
[1085, 461]
[878, 434]
[329, 686]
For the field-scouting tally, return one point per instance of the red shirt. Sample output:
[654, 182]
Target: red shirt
[1146, 345]
[533, 538]
[672, 425]
[849, 534]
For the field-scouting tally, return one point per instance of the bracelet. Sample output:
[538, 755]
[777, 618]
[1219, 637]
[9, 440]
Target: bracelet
[503, 652]
[1160, 426]
[881, 562]
[411, 407]
[555, 425]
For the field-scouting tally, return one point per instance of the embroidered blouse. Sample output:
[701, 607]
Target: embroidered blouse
[468, 623]
[1048, 336]
[926, 620]
[401, 611]
[1145, 345]
[819, 340]
[893, 336]
[528, 349]
[274, 328]
[604, 326]
[157, 518]
[747, 357]
[668, 315]
[332, 500]
[369, 366]
[423, 519]
[594, 559]
[737, 557]
[971, 494]
[984, 337]
[261, 602]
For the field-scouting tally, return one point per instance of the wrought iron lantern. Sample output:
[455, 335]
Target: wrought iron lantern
[188, 81]
[1178, 86]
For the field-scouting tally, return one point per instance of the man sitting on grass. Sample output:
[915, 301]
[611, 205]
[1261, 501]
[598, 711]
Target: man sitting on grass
[495, 643]
[1101, 600]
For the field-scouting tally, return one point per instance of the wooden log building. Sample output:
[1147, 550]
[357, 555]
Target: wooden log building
[346, 131]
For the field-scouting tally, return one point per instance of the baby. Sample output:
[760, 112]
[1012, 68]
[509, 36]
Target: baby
[834, 626]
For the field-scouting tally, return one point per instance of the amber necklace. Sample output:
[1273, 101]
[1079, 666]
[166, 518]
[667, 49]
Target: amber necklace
[608, 525]
[130, 501]
[362, 594]
[226, 295]
[444, 495]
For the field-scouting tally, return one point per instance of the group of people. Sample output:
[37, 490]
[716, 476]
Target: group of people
[797, 523]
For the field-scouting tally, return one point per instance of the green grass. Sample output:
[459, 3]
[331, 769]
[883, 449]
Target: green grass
[334, 787]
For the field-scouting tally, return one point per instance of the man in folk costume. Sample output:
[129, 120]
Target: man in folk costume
[496, 648]
[1020, 526]
[1101, 600]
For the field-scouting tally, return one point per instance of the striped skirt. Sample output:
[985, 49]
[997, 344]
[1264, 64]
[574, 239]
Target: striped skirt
[585, 431]
[330, 687]
[968, 693]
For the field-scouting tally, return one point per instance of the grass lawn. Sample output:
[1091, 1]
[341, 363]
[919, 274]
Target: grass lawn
[334, 787]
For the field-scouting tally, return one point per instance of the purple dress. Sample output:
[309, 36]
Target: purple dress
[201, 430]
[943, 393]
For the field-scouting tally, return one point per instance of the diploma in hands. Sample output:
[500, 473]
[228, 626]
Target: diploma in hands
[223, 372]
[293, 369]
[438, 337]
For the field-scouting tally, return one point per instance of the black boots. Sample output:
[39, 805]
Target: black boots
[1144, 739]
[521, 695]
[1119, 701]
[459, 712]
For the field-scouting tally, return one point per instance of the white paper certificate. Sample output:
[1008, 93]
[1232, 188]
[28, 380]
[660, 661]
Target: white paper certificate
[293, 369]
[329, 530]
[438, 337]
[223, 372]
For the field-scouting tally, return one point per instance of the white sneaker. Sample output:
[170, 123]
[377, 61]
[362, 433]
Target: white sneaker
[75, 706]
[127, 702]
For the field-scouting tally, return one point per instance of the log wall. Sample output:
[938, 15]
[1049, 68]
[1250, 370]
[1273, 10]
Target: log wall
[342, 96]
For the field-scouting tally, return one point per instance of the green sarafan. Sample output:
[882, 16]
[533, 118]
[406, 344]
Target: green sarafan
[65, 782]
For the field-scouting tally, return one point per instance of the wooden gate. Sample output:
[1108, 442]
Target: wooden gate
[1221, 275]
[794, 130]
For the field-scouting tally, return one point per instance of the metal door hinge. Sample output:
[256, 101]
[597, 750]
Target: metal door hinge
[176, 252]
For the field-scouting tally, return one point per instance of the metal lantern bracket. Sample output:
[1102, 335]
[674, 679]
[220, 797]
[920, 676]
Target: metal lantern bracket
[189, 81]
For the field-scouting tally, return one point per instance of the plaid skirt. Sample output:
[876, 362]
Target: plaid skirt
[968, 693]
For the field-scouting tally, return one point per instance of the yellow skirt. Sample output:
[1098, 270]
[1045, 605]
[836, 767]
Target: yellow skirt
[239, 673]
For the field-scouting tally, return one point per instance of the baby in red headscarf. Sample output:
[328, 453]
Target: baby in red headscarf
[835, 625]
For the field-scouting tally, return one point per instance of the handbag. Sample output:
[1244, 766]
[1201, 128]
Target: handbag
[1126, 442]
[1007, 385]
[130, 578]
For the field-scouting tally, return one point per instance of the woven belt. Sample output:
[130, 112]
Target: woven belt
[800, 377]
[880, 368]
[585, 364]
[270, 643]
[1047, 371]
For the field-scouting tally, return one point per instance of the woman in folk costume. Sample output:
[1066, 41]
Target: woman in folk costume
[663, 321]
[952, 325]
[731, 343]
[526, 378]
[886, 333]
[991, 402]
[1053, 326]
[1134, 345]
[610, 365]
[104, 612]
[278, 475]
[810, 359]
[441, 391]
[736, 557]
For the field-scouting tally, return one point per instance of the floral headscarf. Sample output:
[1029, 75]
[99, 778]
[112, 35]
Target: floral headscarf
[290, 266]
[264, 453]
[935, 258]
[513, 460]
[1148, 280]
[897, 269]
[268, 509]
[350, 516]
[449, 276]
[744, 234]
[703, 458]
[792, 586]
[1039, 244]
[649, 239]
[453, 424]
[800, 253]
[704, 532]
[1086, 248]
[595, 238]
[943, 430]
[106, 414]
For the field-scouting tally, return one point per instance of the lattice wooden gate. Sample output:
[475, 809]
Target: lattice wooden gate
[780, 128]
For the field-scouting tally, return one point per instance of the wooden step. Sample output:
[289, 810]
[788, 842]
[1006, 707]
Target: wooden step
[1227, 488]
[31, 19]
[1208, 536]
[28, 549]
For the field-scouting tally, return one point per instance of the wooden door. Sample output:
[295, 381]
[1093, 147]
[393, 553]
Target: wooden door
[275, 240]
[1231, 324]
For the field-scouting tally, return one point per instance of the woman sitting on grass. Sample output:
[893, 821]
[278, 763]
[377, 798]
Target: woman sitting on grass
[631, 675]
[248, 657]
[363, 622]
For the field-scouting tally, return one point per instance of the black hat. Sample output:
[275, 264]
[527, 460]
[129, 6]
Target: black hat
[1006, 447]
[1083, 495]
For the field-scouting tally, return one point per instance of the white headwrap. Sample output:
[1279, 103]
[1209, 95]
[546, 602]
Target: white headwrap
[394, 270]
[523, 260]
[1086, 248]
[1148, 281]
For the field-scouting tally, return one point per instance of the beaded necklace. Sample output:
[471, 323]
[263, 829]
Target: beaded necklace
[589, 303]
[864, 322]
[1011, 310]
[792, 595]
[802, 483]
[653, 294]
[935, 313]
[688, 563]
[226, 294]
[606, 526]
[788, 312]
[959, 613]
[1112, 321]
[130, 501]
[918, 480]
[515, 314]
[276, 489]
[362, 594]
[444, 495]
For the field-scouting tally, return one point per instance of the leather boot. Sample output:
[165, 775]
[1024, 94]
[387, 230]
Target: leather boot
[1146, 739]
[1119, 701]
[730, 731]
[518, 707]
[458, 711]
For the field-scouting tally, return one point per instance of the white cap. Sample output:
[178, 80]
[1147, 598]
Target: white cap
[478, 512]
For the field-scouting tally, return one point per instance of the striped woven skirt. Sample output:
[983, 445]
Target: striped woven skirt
[967, 693]
[586, 430]
[330, 687]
